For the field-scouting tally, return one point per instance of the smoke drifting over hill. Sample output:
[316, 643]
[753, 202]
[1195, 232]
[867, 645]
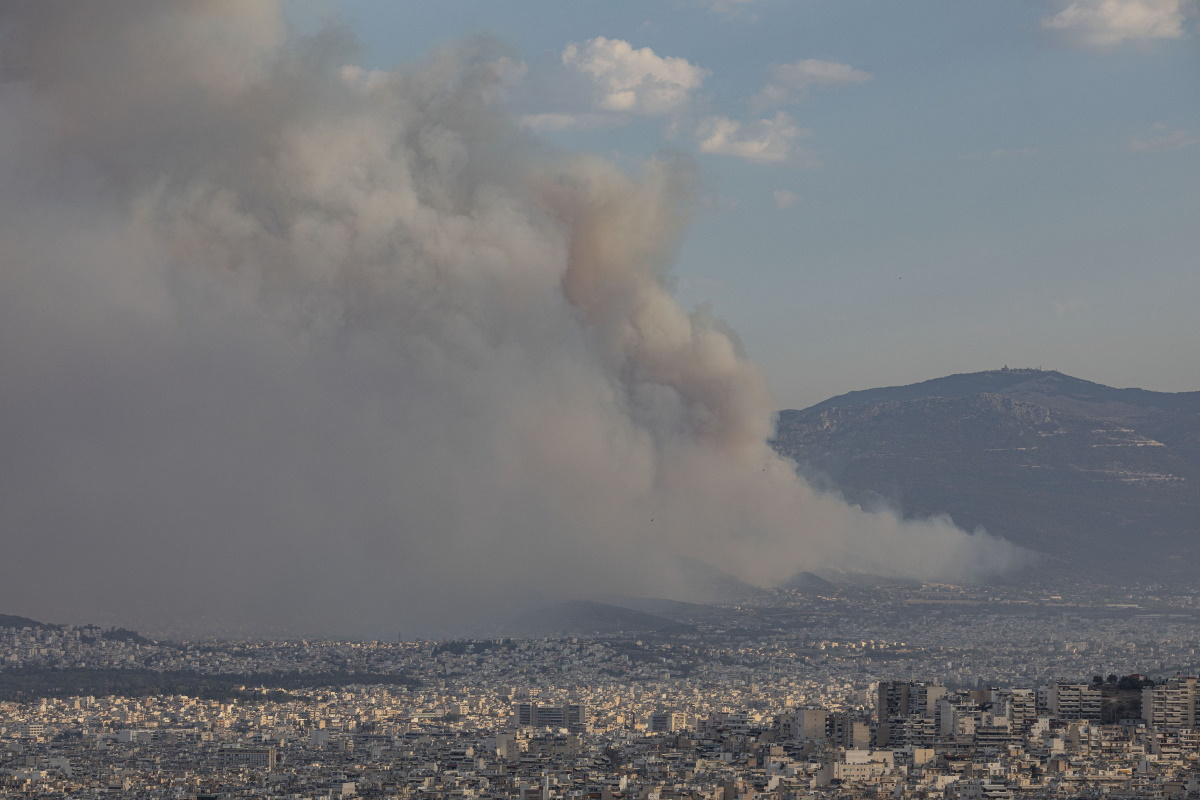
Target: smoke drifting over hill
[291, 343]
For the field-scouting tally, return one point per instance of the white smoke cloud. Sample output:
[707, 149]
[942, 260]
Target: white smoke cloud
[291, 343]
[1104, 23]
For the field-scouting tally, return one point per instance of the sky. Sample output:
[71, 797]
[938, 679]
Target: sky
[891, 192]
[359, 318]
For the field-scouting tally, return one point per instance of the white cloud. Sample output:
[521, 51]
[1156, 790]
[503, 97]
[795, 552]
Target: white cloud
[790, 83]
[785, 199]
[634, 81]
[1108, 22]
[765, 140]
[1172, 140]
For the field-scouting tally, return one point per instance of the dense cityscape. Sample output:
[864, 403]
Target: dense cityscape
[856, 691]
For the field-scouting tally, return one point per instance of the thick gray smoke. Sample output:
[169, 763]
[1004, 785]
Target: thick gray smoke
[287, 343]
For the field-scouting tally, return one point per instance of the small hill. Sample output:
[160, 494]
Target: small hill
[10, 621]
[808, 582]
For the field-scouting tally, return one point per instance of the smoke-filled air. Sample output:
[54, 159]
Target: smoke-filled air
[288, 344]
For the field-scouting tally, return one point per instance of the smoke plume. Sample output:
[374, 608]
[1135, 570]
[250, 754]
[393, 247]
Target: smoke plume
[290, 344]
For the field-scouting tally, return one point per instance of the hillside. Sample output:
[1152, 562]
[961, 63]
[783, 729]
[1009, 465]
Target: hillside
[11, 621]
[1102, 480]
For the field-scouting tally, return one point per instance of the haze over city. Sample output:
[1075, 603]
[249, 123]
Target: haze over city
[356, 317]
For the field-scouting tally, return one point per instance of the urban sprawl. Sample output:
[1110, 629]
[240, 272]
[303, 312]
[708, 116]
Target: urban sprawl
[899, 691]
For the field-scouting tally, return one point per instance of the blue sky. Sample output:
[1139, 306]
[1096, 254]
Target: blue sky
[889, 191]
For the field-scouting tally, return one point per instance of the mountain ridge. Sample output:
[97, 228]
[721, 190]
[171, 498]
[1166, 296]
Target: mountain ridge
[1072, 469]
[996, 381]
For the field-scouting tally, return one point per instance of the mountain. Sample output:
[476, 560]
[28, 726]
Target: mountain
[1102, 481]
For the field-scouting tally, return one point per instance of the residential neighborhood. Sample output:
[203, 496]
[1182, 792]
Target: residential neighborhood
[735, 705]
